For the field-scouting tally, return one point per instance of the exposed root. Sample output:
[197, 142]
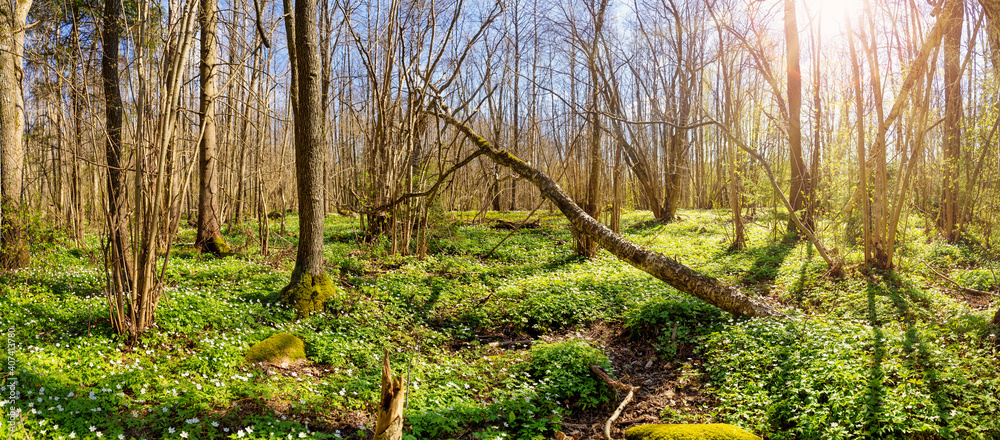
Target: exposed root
[617, 386]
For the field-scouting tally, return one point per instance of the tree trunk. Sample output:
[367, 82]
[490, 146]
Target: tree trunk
[859, 115]
[683, 278]
[952, 119]
[309, 287]
[14, 252]
[209, 237]
[389, 425]
[76, 197]
[799, 190]
[117, 252]
[739, 235]
[585, 246]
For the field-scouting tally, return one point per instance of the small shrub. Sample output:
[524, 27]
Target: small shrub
[941, 253]
[563, 371]
[673, 321]
[979, 279]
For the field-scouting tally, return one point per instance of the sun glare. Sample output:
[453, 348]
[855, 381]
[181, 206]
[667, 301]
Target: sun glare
[831, 14]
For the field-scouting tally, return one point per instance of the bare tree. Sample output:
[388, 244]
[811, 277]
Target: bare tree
[799, 191]
[666, 269]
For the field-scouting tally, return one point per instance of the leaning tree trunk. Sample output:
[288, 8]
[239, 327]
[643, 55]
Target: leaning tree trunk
[13, 243]
[309, 287]
[209, 238]
[685, 279]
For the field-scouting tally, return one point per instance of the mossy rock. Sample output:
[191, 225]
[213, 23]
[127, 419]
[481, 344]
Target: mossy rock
[308, 294]
[280, 349]
[711, 431]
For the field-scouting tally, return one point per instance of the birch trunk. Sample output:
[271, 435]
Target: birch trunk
[664, 268]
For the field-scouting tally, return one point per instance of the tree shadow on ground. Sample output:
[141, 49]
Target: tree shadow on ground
[918, 356]
[768, 259]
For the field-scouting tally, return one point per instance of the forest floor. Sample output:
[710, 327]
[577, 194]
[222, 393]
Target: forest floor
[495, 334]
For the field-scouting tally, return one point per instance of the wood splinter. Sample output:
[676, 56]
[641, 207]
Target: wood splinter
[389, 425]
[617, 386]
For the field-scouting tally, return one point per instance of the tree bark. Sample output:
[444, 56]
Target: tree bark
[309, 287]
[117, 252]
[76, 196]
[14, 251]
[859, 116]
[799, 190]
[584, 245]
[389, 425]
[952, 119]
[664, 268]
[209, 237]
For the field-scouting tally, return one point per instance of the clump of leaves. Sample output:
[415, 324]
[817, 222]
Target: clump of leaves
[563, 371]
[941, 253]
[980, 279]
[673, 321]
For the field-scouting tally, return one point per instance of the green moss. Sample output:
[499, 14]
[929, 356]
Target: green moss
[282, 348]
[712, 431]
[220, 247]
[308, 294]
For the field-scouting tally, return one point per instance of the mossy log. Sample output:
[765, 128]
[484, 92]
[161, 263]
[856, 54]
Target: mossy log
[307, 293]
[711, 431]
[685, 279]
[280, 349]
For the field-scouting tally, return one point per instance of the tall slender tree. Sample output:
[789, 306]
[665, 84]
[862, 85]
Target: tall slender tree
[952, 46]
[310, 286]
[117, 253]
[209, 236]
[585, 245]
[13, 243]
[799, 190]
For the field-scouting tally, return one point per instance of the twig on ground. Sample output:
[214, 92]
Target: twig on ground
[617, 386]
[959, 286]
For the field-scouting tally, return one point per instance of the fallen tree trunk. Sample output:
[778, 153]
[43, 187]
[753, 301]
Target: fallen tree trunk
[664, 268]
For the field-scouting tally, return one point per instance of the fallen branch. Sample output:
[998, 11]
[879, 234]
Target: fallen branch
[959, 286]
[617, 386]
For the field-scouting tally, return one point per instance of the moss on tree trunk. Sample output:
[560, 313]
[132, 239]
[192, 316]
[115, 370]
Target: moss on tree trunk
[307, 293]
[217, 246]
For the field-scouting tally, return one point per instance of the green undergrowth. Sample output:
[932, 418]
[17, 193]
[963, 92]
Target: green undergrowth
[866, 355]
